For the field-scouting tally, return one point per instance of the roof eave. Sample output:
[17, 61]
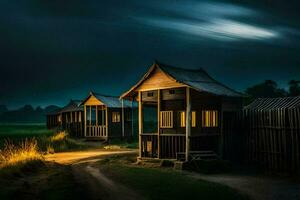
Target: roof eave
[132, 89]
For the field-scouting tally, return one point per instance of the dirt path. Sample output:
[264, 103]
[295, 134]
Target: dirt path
[258, 188]
[99, 187]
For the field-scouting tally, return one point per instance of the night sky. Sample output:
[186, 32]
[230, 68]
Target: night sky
[54, 50]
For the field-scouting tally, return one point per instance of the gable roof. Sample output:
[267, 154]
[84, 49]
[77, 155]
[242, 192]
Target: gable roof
[264, 104]
[72, 106]
[54, 112]
[196, 79]
[109, 101]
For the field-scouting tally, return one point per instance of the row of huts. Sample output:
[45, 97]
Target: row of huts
[180, 113]
[186, 114]
[97, 117]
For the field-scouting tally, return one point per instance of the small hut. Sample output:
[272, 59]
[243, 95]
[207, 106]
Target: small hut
[53, 119]
[107, 117]
[69, 118]
[273, 126]
[72, 118]
[181, 112]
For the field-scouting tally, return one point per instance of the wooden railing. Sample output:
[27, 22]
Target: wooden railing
[96, 131]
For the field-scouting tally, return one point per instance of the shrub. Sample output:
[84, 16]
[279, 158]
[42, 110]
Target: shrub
[59, 137]
[25, 151]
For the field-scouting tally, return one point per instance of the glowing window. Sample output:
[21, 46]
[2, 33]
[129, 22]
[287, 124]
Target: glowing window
[209, 118]
[166, 119]
[116, 117]
[183, 119]
[59, 118]
[79, 117]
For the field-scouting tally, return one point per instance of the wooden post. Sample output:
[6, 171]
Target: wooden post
[140, 123]
[123, 128]
[96, 110]
[132, 109]
[85, 121]
[221, 140]
[158, 124]
[188, 123]
[106, 121]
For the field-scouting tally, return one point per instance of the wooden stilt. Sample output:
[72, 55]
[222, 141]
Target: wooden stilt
[123, 128]
[158, 124]
[140, 123]
[85, 121]
[188, 123]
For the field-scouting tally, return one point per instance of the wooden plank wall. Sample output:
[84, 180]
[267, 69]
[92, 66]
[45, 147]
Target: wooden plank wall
[234, 136]
[273, 138]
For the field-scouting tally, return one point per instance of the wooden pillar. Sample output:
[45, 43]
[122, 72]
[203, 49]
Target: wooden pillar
[96, 110]
[123, 128]
[106, 121]
[132, 109]
[188, 123]
[85, 121]
[158, 123]
[140, 123]
[221, 145]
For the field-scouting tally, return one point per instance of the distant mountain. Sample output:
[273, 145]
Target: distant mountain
[26, 114]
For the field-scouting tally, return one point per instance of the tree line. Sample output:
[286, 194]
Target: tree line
[270, 89]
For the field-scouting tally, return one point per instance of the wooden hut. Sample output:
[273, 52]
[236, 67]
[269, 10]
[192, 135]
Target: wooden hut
[181, 112]
[106, 117]
[70, 118]
[273, 126]
[53, 119]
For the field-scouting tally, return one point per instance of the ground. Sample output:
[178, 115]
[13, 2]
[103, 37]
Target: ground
[113, 173]
[106, 171]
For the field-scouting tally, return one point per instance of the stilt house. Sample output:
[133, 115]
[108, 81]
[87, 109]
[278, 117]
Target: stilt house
[107, 117]
[181, 112]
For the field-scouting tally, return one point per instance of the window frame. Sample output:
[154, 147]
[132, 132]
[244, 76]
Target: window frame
[182, 122]
[115, 117]
[210, 118]
[166, 119]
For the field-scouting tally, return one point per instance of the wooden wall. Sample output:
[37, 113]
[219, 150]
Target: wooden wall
[74, 127]
[273, 138]
[172, 140]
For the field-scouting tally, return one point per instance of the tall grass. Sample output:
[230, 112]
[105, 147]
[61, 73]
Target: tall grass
[26, 151]
[57, 143]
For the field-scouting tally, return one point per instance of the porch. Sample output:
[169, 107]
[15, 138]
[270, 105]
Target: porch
[96, 125]
[177, 122]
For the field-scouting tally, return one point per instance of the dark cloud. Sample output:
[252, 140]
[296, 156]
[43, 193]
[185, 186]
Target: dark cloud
[53, 50]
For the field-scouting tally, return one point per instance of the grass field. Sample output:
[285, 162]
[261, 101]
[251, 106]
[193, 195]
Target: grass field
[163, 183]
[24, 130]
[17, 132]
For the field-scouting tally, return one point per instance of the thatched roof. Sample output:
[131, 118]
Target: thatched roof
[274, 103]
[198, 79]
